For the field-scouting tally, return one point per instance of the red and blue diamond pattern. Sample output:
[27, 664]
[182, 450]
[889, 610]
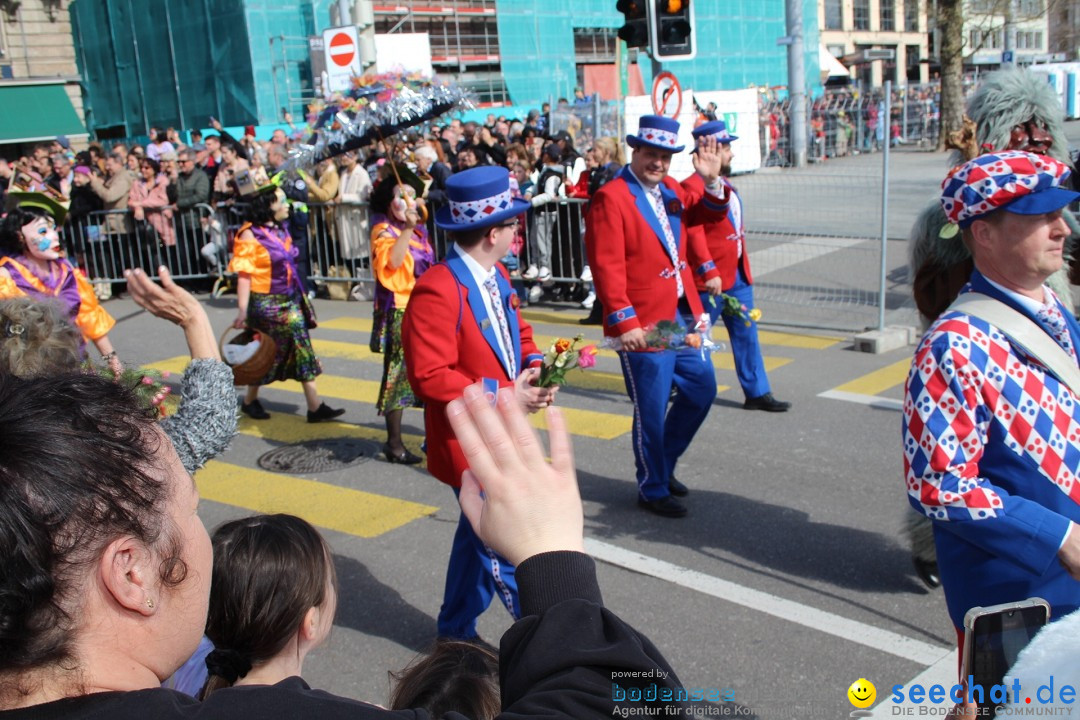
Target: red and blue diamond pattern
[968, 383]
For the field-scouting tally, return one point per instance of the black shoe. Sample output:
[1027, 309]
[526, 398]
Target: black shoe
[254, 410]
[767, 403]
[666, 506]
[404, 458]
[325, 412]
[676, 488]
[927, 572]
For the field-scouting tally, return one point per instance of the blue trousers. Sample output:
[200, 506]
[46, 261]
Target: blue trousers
[662, 434]
[475, 574]
[749, 367]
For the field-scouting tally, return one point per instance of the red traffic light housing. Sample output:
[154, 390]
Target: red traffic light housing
[671, 29]
[635, 33]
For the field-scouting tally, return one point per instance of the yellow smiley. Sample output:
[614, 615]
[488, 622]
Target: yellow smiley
[862, 693]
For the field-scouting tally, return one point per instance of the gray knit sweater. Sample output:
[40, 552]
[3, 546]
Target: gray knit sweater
[205, 421]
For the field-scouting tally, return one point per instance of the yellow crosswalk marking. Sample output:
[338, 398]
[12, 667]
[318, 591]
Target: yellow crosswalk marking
[767, 337]
[772, 337]
[588, 423]
[880, 380]
[287, 428]
[355, 324]
[329, 506]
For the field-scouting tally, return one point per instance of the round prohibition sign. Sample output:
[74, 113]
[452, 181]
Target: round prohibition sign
[342, 49]
[666, 95]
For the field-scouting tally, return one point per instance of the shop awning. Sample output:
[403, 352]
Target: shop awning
[34, 112]
[830, 66]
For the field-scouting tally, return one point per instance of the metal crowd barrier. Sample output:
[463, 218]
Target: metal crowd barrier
[815, 264]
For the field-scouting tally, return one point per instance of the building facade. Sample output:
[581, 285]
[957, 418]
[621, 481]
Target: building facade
[986, 24]
[38, 73]
[850, 27]
[1064, 30]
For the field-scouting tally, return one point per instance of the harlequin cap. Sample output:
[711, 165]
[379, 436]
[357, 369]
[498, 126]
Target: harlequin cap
[716, 129]
[656, 131]
[478, 198]
[1018, 182]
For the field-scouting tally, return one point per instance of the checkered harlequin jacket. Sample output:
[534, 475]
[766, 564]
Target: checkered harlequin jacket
[991, 454]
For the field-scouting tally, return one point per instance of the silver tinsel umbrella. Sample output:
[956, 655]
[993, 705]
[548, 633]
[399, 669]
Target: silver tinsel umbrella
[376, 108]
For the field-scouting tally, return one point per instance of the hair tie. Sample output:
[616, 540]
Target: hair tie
[13, 329]
[228, 664]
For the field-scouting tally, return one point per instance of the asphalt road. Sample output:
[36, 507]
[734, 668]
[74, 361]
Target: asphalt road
[788, 581]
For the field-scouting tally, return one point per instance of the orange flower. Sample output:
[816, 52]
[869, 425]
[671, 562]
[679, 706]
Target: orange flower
[562, 345]
[693, 340]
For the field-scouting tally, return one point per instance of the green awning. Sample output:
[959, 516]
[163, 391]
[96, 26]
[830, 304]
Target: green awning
[29, 113]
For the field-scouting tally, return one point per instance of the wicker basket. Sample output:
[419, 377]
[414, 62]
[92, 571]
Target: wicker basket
[255, 367]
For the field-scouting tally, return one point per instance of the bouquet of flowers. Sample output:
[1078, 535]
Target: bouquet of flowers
[564, 355]
[734, 308]
[148, 385]
[670, 335]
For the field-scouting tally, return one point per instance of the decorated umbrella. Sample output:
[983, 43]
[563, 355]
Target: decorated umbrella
[376, 107]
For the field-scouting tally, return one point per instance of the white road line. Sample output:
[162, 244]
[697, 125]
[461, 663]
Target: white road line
[942, 673]
[871, 400]
[797, 251]
[884, 641]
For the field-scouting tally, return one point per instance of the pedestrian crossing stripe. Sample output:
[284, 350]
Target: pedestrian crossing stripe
[333, 507]
[289, 428]
[878, 381]
[766, 337]
[586, 423]
[721, 360]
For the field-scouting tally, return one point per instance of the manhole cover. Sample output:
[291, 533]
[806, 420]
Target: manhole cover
[319, 455]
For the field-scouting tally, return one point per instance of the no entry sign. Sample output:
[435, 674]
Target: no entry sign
[340, 47]
[666, 95]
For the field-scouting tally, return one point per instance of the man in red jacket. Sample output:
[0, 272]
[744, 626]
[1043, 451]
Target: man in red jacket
[644, 265]
[726, 240]
[462, 326]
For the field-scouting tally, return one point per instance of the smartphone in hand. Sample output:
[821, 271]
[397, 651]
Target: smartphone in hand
[993, 639]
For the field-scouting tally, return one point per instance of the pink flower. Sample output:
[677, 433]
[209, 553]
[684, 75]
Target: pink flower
[587, 357]
[147, 380]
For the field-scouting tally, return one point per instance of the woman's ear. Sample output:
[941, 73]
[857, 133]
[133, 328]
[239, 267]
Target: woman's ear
[128, 572]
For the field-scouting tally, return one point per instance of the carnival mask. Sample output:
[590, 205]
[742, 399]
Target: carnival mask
[1031, 136]
[41, 239]
[404, 200]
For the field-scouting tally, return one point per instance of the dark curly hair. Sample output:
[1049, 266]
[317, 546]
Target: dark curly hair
[100, 479]
[257, 211]
[269, 570]
[11, 243]
[453, 676]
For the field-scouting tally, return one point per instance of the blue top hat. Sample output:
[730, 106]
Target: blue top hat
[658, 132]
[716, 129]
[478, 198]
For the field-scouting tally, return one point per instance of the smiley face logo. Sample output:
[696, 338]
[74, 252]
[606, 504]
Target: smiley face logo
[862, 693]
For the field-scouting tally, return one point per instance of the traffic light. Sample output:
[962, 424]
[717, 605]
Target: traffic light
[635, 33]
[671, 29]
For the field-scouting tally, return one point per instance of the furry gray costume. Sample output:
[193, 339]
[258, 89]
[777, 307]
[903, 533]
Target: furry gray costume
[1011, 109]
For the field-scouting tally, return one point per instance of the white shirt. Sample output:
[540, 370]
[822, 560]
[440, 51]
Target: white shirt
[658, 208]
[480, 276]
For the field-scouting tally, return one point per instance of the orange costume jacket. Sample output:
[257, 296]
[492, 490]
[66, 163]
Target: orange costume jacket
[70, 287]
[632, 269]
[449, 343]
[724, 234]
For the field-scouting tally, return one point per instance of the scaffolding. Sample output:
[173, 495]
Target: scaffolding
[464, 39]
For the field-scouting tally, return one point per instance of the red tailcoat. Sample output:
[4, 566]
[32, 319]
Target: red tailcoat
[449, 344]
[722, 234]
[631, 266]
